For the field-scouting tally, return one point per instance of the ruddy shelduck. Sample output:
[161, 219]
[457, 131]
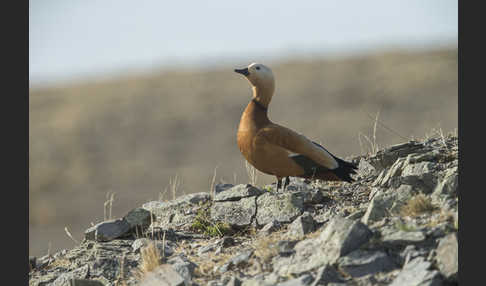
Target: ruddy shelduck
[277, 150]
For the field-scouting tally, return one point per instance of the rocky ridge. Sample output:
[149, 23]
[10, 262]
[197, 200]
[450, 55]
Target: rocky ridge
[396, 225]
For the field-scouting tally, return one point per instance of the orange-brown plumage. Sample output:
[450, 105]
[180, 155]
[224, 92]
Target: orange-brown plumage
[277, 150]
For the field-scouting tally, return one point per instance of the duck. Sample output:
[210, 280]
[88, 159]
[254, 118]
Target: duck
[277, 150]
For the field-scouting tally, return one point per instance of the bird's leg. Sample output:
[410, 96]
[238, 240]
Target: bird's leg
[279, 183]
[286, 183]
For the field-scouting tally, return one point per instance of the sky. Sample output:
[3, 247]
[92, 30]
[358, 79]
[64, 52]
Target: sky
[72, 40]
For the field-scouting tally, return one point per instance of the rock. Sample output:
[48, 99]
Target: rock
[301, 226]
[327, 274]
[315, 196]
[416, 272]
[385, 158]
[298, 185]
[410, 252]
[222, 187]
[419, 175]
[184, 267]
[236, 193]
[362, 262]
[286, 247]
[164, 275]
[85, 282]
[63, 279]
[390, 177]
[177, 212]
[239, 213]
[303, 280]
[447, 256]
[448, 186]
[233, 281]
[401, 237]
[269, 228]
[338, 238]
[384, 204]
[241, 258]
[282, 207]
[107, 230]
[341, 236]
[226, 241]
[144, 242]
[139, 219]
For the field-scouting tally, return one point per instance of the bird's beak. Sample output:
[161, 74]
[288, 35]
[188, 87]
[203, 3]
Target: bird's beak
[244, 71]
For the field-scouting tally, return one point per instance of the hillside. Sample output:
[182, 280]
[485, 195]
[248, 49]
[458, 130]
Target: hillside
[131, 136]
[395, 225]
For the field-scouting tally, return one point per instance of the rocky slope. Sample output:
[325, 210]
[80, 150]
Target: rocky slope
[396, 225]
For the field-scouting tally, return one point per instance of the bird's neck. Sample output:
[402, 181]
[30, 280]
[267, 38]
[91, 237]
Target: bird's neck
[263, 95]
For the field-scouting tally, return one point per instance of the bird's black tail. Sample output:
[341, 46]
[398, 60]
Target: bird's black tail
[344, 170]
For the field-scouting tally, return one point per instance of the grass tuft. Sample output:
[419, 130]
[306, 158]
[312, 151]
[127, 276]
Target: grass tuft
[150, 259]
[203, 223]
[418, 205]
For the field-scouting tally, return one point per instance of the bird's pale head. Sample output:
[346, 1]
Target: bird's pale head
[258, 75]
[262, 80]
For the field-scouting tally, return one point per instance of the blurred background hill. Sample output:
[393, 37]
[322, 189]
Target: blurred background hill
[125, 98]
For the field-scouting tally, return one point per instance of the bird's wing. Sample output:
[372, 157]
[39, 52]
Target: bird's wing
[295, 143]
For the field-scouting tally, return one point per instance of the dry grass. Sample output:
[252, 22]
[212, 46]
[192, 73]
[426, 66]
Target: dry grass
[265, 246]
[417, 205]
[150, 259]
[252, 173]
[108, 206]
[173, 187]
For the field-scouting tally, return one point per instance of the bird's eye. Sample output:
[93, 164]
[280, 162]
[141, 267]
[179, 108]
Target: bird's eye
[258, 68]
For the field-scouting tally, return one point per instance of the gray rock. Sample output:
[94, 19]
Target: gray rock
[410, 252]
[417, 273]
[239, 213]
[385, 158]
[384, 204]
[401, 237]
[233, 281]
[303, 280]
[235, 261]
[338, 238]
[177, 212]
[315, 196]
[391, 176]
[184, 267]
[298, 185]
[222, 187]
[327, 274]
[164, 275]
[301, 226]
[85, 282]
[63, 279]
[420, 175]
[270, 227]
[341, 236]
[282, 207]
[362, 262]
[107, 230]
[286, 247]
[448, 187]
[236, 192]
[139, 219]
[447, 256]
[166, 249]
